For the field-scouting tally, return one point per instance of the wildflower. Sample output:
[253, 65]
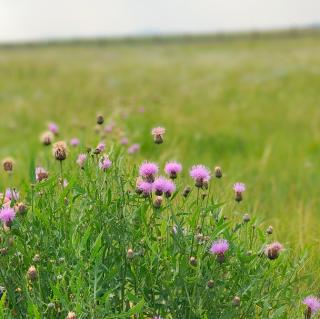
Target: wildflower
[273, 250]
[8, 164]
[193, 261]
[12, 194]
[21, 208]
[147, 170]
[144, 188]
[46, 138]
[218, 172]
[172, 169]
[36, 258]
[71, 315]
[32, 273]
[186, 191]
[269, 230]
[105, 163]
[74, 141]
[100, 148]
[158, 133]
[3, 251]
[246, 218]
[41, 174]
[124, 141]
[236, 301]
[130, 253]
[59, 150]
[108, 128]
[158, 202]
[81, 160]
[7, 215]
[134, 148]
[219, 248]
[313, 305]
[159, 185]
[210, 284]
[239, 188]
[100, 119]
[200, 175]
[170, 187]
[53, 128]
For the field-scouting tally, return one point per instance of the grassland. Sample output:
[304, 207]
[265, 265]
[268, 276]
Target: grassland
[250, 105]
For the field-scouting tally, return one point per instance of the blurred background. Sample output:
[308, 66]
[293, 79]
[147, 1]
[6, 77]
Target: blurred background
[236, 84]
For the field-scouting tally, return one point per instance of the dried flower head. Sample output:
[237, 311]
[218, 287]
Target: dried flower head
[273, 250]
[71, 315]
[236, 301]
[81, 160]
[200, 175]
[32, 273]
[7, 164]
[130, 253]
[269, 230]
[172, 169]
[100, 119]
[21, 208]
[59, 150]
[218, 172]
[74, 142]
[158, 133]
[148, 170]
[46, 138]
[41, 174]
[7, 215]
[193, 261]
[134, 148]
[157, 202]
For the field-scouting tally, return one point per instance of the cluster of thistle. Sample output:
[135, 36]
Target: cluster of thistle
[178, 254]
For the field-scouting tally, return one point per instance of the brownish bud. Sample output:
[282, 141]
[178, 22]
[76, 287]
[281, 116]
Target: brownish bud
[193, 261]
[3, 251]
[218, 172]
[36, 258]
[21, 208]
[186, 191]
[246, 218]
[59, 150]
[71, 315]
[210, 284]
[269, 230]
[236, 301]
[100, 119]
[8, 164]
[130, 253]
[158, 202]
[46, 138]
[32, 273]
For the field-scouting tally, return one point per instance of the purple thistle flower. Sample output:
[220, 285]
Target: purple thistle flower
[239, 188]
[81, 160]
[108, 128]
[145, 187]
[219, 247]
[74, 141]
[170, 187]
[105, 163]
[313, 304]
[12, 194]
[124, 141]
[157, 133]
[273, 250]
[160, 185]
[53, 127]
[147, 170]
[134, 148]
[7, 215]
[172, 169]
[200, 174]
[101, 147]
[41, 174]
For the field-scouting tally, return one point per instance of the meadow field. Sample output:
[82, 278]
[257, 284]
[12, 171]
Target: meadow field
[250, 105]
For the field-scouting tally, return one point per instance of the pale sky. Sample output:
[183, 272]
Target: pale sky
[52, 19]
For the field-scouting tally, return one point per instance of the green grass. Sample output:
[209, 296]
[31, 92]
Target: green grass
[249, 105]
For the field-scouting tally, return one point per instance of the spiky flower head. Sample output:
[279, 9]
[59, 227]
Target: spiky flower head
[273, 250]
[7, 215]
[124, 141]
[157, 133]
[41, 174]
[105, 163]
[239, 188]
[170, 188]
[74, 141]
[145, 188]
[59, 150]
[7, 164]
[81, 160]
[219, 247]
[101, 147]
[134, 148]
[313, 305]
[12, 194]
[46, 138]
[53, 128]
[172, 169]
[159, 185]
[200, 175]
[148, 170]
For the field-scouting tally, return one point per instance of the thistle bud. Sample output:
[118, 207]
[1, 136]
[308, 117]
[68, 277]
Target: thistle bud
[21, 208]
[157, 202]
[158, 133]
[273, 250]
[193, 261]
[3, 251]
[236, 301]
[7, 165]
[130, 253]
[218, 172]
[36, 258]
[59, 150]
[46, 138]
[186, 191]
[32, 273]
[210, 284]
[51, 305]
[246, 218]
[100, 119]
[71, 315]
[269, 230]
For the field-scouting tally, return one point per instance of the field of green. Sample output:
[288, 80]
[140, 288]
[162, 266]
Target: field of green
[250, 105]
